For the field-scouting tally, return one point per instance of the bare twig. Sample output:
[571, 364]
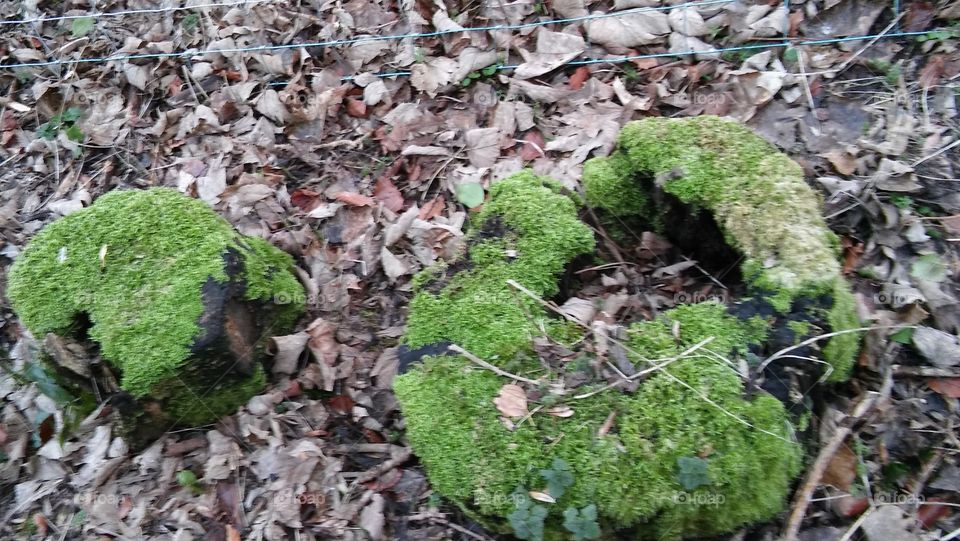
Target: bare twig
[802, 498]
[480, 362]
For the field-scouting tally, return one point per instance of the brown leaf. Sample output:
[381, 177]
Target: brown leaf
[579, 77]
[387, 193]
[356, 108]
[533, 144]
[355, 199]
[844, 163]
[949, 387]
[232, 533]
[928, 515]
[512, 401]
[385, 481]
[40, 521]
[852, 250]
[305, 200]
[433, 208]
[842, 469]
[341, 404]
[918, 17]
[646, 63]
[931, 73]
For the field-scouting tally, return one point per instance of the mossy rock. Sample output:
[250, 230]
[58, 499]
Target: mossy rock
[762, 205]
[178, 302]
[636, 476]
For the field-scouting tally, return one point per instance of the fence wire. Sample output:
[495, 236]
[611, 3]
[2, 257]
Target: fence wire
[190, 53]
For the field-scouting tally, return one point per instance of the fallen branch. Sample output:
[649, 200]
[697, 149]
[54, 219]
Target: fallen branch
[480, 362]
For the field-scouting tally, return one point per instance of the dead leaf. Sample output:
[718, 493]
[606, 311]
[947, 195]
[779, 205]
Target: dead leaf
[580, 75]
[483, 146]
[630, 30]
[844, 163]
[387, 193]
[355, 199]
[554, 49]
[533, 144]
[356, 108]
[287, 351]
[949, 387]
[541, 496]
[842, 469]
[433, 208]
[512, 401]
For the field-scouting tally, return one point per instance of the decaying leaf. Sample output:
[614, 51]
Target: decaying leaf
[512, 401]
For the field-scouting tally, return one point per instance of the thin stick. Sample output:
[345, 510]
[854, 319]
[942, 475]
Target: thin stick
[803, 496]
[645, 371]
[477, 360]
[675, 379]
[809, 341]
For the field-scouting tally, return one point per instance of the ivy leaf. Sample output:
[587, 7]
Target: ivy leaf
[929, 267]
[81, 27]
[583, 524]
[558, 478]
[489, 70]
[527, 522]
[46, 384]
[693, 472]
[470, 194]
[47, 131]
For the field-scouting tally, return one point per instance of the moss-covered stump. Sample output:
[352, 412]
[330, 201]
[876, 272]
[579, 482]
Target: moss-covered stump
[687, 454]
[764, 209]
[177, 301]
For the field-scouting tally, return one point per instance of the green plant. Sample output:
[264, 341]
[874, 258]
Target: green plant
[475, 76]
[902, 202]
[583, 523]
[65, 121]
[190, 22]
[692, 472]
[527, 519]
[559, 478]
[188, 480]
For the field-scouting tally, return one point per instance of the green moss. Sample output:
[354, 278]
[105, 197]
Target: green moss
[475, 308]
[631, 472]
[757, 196]
[135, 263]
[195, 405]
[693, 408]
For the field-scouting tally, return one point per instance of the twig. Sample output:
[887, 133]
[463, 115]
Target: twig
[937, 153]
[809, 341]
[702, 396]
[803, 496]
[477, 360]
[645, 371]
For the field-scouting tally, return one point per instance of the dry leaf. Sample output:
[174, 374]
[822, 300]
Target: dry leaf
[512, 401]
[355, 199]
[554, 49]
[631, 30]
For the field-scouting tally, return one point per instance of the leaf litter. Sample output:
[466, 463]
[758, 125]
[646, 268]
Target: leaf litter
[368, 181]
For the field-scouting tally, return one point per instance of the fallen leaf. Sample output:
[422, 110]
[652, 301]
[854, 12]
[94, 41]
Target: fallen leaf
[356, 108]
[630, 30]
[842, 469]
[554, 49]
[930, 513]
[512, 401]
[580, 76]
[341, 404]
[355, 199]
[533, 144]
[931, 73]
[432, 209]
[470, 194]
[541, 496]
[387, 193]
[949, 387]
[844, 163]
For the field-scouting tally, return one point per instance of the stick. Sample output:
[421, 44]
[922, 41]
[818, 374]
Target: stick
[477, 360]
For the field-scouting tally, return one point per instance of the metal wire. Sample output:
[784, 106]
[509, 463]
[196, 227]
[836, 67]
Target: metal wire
[43, 19]
[362, 39]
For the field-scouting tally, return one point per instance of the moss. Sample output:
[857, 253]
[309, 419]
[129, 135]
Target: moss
[475, 308]
[192, 406]
[135, 264]
[757, 196]
[631, 472]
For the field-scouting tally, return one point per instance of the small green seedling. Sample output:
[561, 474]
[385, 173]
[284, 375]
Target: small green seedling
[66, 121]
[527, 520]
[583, 523]
[559, 478]
[187, 479]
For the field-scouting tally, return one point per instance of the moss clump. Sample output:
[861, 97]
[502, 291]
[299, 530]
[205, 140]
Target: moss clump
[757, 196]
[527, 232]
[631, 473]
[136, 264]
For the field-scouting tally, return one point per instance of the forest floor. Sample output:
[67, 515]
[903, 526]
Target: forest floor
[325, 168]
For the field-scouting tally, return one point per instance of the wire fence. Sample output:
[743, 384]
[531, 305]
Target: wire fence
[787, 41]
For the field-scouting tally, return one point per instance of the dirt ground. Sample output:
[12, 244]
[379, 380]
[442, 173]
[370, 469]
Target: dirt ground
[285, 148]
